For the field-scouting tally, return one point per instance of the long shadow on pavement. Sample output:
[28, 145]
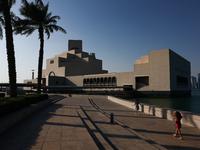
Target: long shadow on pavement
[30, 132]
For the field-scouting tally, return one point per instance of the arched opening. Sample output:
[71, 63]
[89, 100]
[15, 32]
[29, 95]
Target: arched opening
[114, 81]
[109, 81]
[102, 82]
[84, 82]
[94, 81]
[98, 81]
[88, 82]
[106, 81]
[91, 82]
[50, 74]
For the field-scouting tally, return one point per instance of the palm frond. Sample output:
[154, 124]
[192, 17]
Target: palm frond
[39, 2]
[54, 17]
[2, 20]
[1, 33]
[47, 32]
[28, 31]
[36, 15]
[57, 28]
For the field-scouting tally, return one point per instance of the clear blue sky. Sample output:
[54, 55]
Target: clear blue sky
[117, 31]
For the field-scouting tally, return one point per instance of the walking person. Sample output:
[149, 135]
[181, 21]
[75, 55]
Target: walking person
[136, 104]
[178, 117]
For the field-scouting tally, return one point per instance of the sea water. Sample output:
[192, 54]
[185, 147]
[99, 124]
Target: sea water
[187, 103]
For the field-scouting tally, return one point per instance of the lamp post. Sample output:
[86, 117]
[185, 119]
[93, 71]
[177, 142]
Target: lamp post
[32, 74]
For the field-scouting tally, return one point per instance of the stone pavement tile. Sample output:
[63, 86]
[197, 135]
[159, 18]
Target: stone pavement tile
[88, 145]
[31, 149]
[83, 136]
[77, 122]
[104, 143]
[33, 145]
[127, 145]
[53, 137]
[49, 119]
[55, 128]
[35, 139]
[79, 129]
[68, 127]
[67, 132]
[43, 126]
[68, 138]
[71, 145]
[40, 134]
[68, 135]
[20, 139]
[57, 119]
[51, 146]
[16, 128]
[11, 147]
[6, 138]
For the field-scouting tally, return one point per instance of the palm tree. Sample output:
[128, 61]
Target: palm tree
[1, 24]
[5, 6]
[37, 18]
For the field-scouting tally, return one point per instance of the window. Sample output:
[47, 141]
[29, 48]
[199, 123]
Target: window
[142, 82]
[182, 81]
[56, 82]
[52, 61]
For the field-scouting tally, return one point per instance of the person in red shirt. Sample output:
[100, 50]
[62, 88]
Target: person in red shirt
[178, 117]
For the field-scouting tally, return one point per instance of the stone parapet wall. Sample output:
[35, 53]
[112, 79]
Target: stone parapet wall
[190, 119]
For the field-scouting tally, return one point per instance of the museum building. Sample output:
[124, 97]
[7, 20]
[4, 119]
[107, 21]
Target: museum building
[160, 73]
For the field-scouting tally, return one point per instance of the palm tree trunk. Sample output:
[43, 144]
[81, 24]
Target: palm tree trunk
[40, 61]
[10, 49]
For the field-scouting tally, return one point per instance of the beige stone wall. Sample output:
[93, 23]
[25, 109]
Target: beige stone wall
[125, 78]
[159, 79]
[74, 80]
[56, 81]
[157, 67]
[53, 67]
[144, 59]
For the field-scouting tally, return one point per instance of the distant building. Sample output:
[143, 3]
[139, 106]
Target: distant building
[198, 81]
[193, 82]
[160, 73]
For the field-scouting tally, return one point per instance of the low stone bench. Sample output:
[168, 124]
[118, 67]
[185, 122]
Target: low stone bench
[189, 118]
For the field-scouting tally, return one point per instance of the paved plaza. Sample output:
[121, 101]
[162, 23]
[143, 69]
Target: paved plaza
[83, 123]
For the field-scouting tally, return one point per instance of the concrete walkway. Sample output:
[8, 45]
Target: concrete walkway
[83, 123]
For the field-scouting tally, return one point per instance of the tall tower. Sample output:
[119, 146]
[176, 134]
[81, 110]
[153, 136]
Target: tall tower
[193, 82]
[75, 44]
